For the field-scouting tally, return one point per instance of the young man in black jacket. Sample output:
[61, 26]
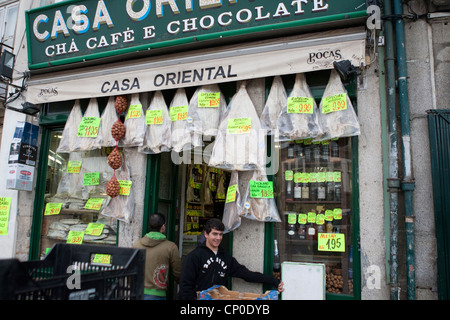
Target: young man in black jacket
[209, 265]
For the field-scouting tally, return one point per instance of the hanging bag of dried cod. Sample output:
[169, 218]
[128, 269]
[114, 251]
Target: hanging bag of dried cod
[276, 102]
[69, 135]
[258, 201]
[240, 143]
[337, 117]
[182, 139]
[88, 128]
[134, 124]
[232, 210]
[299, 117]
[158, 134]
[205, 110]
[109, 116]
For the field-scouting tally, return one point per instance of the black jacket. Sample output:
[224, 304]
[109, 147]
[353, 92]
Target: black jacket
[202, 269]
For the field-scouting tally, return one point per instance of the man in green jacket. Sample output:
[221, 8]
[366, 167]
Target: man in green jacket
[161, 256]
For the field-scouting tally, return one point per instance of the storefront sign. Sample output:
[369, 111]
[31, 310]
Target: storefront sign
[74, 31]
[200, 68]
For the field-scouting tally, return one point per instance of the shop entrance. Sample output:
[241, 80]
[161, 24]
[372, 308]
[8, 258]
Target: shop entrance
[187, 195]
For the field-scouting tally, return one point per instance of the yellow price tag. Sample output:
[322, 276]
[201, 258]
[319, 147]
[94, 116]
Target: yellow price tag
[311, 217]
[94, 204]
[154, 117]
[88, 127]
[300, 105]
[74, 167]
[100, 258]
[239, 125]
[134, 111]
[52, 209]
[231, 193]
[75, 237]
[302, 218]
[91, 178]
[331, 242]
[94, 229]
[125, 187]
[208, 99]
[5, 205]
[334, 103]
[179, 113]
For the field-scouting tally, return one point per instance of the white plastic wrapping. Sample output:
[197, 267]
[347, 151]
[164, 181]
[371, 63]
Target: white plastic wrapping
[233, 208]
[109, 116]
[88, 143]
[342, 122]
[158, 135]
[299, 117]
[205, 110]
[182, 139]
[69, 135]
[241, 142]
[259, 209]
[276, 102]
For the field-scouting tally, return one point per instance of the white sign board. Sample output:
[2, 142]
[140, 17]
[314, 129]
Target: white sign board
[303, 281]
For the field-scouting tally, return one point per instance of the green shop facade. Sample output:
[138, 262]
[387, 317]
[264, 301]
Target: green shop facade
[83, 54]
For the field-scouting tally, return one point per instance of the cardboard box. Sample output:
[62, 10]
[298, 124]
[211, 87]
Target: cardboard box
[222, 293]
[20, 177]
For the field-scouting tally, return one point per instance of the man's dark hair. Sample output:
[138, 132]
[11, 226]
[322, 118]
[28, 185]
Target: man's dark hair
[213, 224]
[156, 221]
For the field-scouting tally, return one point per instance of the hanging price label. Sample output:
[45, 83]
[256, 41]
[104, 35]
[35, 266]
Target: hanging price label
[302, 218]
[337, 176]
[125, 187]
[75, 237]
[320, 219]
[329, 215]
[300, 105]
[231, 193]
[334, 103]
[154, 117]
[94, 204]
[74, 167]
[134, 111]
[178, 113]
[298, 177]
[91, 178]
[208, 99]
[288, 175]
[331, 242]
[261, 189]
[239, 125]
[5, 205]
[94, 229]
[337, 214]
[311, 217]
[52, 209]
[88, 127]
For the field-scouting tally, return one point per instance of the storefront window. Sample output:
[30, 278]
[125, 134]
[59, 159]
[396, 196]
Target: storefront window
[66, 213]
[316, 208]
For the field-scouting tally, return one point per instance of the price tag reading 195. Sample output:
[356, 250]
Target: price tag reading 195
[334, 103]
[300, 105]
[331, 242]
[88, 127]
[239, 125]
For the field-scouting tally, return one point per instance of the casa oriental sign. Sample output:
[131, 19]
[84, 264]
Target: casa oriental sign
[75, 31]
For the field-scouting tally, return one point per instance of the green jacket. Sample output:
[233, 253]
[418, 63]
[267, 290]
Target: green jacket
[161, 255]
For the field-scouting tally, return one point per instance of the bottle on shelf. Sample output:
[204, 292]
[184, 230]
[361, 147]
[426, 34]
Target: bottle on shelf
[337, 186]
[316, 151]
[325, 151]
[276, 258]
[329, 186]
[289, 192]
[299, 149]
[297, 186]
[313, 185]
[291, 221]
[321, 186]
[305, 186]
[307, 149]
[301, 232]
[334, 148]
[290, 151]
[311, 231]
[350, 263]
